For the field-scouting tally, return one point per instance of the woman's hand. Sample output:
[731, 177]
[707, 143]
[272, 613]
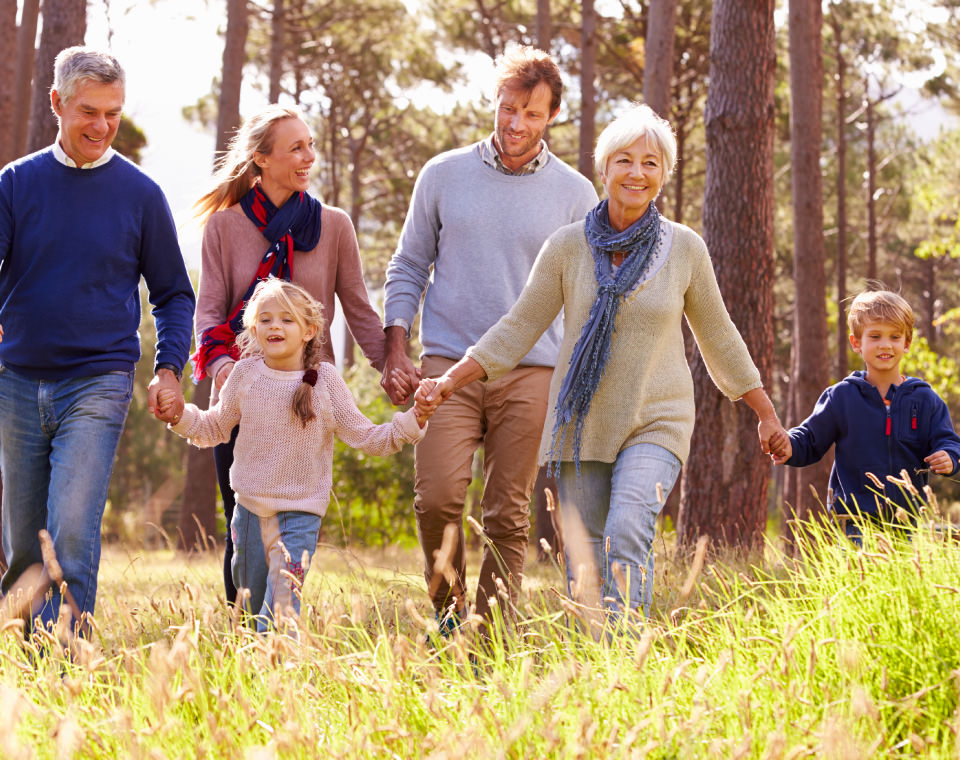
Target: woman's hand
[773, 438]
[223, 372]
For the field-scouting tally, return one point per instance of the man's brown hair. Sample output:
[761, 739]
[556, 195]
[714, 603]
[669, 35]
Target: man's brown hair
[523, 67]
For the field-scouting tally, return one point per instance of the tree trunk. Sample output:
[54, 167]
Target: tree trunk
[544, 25]
[64, 24]
[234, 56]
[810, 368]
[8, 79]
[26, 49]
[198, 512]
[841, 95]
[724, 486]
[871, 185]
[276, 49]
[588, 104]
[658, 69]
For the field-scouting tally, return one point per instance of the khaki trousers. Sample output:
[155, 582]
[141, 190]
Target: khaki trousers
[506, 418]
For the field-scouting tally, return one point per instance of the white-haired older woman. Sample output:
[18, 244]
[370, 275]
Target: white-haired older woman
[622, 394]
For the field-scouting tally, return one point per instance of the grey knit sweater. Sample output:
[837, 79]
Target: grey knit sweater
[470, 238]
[646, 393]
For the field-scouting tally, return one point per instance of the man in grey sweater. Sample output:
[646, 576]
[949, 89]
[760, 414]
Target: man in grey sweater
[476, 222]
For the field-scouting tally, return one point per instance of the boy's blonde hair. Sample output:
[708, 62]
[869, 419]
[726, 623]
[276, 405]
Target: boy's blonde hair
[308, 312]
[880, 306]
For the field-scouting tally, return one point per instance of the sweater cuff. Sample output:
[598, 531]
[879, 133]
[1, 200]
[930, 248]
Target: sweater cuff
[409, 427]
[186, 421]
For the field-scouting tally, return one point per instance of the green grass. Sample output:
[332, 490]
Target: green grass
[837, 653]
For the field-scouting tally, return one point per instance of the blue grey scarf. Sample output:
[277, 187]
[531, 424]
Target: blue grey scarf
[639, 241]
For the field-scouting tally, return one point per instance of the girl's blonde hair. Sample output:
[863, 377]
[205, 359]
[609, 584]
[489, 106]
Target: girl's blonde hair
[308, 312]
[237, 172]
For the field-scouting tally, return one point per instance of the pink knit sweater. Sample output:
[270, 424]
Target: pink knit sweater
[280, 465]
[232, 249]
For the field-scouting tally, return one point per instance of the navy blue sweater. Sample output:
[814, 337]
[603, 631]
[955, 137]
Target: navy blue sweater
[73, 246]
[852, 415]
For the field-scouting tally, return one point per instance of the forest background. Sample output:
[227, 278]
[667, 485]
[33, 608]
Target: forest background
[801, 162]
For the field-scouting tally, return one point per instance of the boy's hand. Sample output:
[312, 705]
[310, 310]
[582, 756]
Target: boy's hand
[940, 462]
[780, 447]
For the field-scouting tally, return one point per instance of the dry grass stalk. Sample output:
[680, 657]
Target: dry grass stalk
[443, 563]
[698, 557]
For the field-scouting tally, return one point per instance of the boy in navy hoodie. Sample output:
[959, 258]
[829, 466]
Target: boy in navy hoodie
[881, 422]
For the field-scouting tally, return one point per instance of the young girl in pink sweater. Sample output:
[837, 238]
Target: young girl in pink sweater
[292, 404]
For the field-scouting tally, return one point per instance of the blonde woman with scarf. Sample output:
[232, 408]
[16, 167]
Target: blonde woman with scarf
[622, 394]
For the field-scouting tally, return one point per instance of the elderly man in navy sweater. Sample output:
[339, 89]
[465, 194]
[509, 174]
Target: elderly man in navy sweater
[79, 226]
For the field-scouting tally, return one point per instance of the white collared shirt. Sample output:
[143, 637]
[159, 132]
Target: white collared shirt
[64, 159]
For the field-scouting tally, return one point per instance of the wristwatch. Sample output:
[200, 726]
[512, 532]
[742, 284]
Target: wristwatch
[172, 367]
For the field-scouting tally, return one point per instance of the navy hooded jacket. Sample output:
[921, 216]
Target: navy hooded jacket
[873, 437]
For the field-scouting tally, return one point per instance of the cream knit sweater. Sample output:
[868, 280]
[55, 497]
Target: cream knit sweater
[279, 465]
[646, 393]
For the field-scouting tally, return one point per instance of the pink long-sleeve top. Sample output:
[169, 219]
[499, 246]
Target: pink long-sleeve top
[279, 464]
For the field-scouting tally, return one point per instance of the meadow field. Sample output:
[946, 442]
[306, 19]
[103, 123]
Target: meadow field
[835, 653]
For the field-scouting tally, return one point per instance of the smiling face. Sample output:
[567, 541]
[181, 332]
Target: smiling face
[89, 119]
[280, 336]
[285, 170]
[632, 178]
[882, 346]
[521, 119]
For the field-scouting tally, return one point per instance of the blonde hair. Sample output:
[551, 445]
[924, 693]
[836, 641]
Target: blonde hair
[308, 312]
[237, 172]
[880, 306]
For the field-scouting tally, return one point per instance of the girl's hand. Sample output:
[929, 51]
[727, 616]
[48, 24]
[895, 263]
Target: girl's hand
[222, 374]
[166, 398]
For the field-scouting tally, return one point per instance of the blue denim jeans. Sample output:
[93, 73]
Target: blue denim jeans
[58, 439]
[612, 509]
[273, 577]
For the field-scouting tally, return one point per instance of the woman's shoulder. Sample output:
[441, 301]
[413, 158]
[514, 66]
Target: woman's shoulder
[571, 234]
[684, 235]
[334, 215]
[229, 218]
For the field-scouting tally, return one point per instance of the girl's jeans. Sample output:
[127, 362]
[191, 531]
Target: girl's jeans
[271, 557]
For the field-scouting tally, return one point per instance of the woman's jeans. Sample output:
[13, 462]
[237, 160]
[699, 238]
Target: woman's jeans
[223, 460]
[609, 516]
[270, 559]
[58, 439]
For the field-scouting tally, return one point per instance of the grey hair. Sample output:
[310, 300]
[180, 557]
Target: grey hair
[640, 121]
[74, 64]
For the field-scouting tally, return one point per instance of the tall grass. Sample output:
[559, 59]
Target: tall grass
[836, 653]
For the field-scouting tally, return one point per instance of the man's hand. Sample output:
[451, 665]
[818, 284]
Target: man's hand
[165, 380]
[400, 375]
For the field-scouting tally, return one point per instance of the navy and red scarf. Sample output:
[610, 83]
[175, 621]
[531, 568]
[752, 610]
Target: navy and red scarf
[295, 225]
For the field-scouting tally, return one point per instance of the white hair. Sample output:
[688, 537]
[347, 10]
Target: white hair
[626, 129]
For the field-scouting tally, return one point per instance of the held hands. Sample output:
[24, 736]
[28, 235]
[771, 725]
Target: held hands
[774, 440]
[165, 382]
[430, 394]
[166, 401]
[940, 462]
